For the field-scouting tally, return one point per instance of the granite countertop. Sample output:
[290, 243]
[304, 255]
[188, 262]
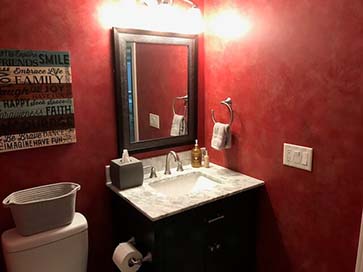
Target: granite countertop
[155, 205]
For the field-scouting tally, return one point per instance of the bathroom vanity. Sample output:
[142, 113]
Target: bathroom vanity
[198, 220]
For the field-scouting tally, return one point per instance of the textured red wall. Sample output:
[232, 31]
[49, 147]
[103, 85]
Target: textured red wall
[161, 76]
[296, 78]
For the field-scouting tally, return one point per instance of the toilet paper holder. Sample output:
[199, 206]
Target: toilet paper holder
[147, 258]
[133, 261]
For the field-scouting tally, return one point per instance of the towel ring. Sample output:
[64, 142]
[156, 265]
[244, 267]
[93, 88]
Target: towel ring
[185, 98]
[228, 103]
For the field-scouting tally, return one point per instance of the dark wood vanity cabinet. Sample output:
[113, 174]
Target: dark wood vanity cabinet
[214, 237]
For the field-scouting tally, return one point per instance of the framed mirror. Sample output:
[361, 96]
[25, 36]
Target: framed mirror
[156, 89]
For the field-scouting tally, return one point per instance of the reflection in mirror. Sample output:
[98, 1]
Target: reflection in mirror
[157, 75]
[156, 89]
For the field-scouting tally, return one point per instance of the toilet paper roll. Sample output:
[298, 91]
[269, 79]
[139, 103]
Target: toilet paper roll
[122, 256]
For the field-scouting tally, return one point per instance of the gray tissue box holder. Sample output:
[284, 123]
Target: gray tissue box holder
[128, 174]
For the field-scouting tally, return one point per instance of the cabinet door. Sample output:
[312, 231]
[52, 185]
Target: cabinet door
[215, 247]
[181, 244]
[230, 234]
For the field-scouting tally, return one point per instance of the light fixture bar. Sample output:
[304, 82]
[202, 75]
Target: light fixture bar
[170, 2]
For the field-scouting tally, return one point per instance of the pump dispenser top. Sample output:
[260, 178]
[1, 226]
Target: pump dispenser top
[206, 159]
[196, 156]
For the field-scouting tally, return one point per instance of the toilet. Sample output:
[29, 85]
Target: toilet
[64, 249]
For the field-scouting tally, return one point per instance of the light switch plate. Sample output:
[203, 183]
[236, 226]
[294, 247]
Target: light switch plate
[154, 120]
[298, 156]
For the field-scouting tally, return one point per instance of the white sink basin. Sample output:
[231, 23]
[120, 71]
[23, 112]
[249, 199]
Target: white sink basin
[184, 184]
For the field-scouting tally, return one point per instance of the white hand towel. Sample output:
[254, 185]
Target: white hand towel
[178, 126]
[221, 138]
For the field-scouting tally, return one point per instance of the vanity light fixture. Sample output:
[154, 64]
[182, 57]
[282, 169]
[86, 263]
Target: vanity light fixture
[167, 2]
[192, 18]
[176, 16]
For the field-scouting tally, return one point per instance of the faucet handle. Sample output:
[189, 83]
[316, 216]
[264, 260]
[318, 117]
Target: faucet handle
[153, 172]
[179, 167]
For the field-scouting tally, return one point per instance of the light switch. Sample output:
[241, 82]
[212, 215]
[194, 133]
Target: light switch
[289, 155]
[304, 158]
[298, 156]
[154, 120]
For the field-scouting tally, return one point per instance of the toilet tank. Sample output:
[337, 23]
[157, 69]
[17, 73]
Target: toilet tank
[64, 249]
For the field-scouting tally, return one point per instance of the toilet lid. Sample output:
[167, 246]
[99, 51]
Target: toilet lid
[14, 242]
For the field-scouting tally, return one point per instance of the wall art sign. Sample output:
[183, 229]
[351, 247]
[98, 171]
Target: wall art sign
[36, 103]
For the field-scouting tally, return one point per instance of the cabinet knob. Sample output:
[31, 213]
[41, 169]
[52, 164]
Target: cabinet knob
[215, 247]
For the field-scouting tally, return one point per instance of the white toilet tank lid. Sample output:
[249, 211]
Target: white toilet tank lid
[14, 242]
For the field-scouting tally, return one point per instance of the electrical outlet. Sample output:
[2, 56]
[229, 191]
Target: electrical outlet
[298, 156]
[154, 120]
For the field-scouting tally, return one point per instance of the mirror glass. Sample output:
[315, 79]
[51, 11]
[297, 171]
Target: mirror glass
[155, 77]
[157, 87]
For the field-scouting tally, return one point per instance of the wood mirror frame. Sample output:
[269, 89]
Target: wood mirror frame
[121, 37]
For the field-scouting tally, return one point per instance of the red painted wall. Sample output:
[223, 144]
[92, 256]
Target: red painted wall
[161, 76]
[296, 78]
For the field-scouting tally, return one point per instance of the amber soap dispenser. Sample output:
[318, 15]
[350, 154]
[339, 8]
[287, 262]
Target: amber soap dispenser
[196, 156]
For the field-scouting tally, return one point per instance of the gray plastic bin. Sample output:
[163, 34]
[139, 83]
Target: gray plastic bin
[43, 208]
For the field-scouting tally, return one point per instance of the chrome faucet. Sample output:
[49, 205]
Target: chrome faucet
[167, 163]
